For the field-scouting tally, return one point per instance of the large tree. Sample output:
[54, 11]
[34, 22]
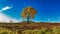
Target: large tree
[29, 13]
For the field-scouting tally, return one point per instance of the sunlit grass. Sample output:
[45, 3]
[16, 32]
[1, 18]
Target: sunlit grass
[6, 31]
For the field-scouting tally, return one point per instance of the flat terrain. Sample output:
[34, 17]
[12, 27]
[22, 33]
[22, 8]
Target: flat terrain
[26, 25]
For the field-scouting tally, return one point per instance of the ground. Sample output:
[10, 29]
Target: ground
[28, 26]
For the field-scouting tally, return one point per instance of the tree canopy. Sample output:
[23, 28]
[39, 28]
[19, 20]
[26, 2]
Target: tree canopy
[28, 12]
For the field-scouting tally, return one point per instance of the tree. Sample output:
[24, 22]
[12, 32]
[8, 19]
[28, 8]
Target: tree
[28, 13]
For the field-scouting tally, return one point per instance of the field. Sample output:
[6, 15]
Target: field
[29, 28]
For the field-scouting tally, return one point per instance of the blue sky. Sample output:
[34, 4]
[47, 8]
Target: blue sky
[47, 10]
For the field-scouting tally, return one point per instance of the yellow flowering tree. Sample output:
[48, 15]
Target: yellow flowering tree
[28, 12]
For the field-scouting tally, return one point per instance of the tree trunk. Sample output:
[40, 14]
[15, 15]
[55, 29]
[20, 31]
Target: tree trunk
[28, 19]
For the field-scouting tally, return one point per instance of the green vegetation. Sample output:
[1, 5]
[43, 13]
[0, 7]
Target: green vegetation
[7, 31]
[54, 30]
[31, 28]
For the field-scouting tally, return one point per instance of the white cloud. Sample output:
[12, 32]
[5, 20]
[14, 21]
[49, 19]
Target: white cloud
[5, 8]
[5, 18]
